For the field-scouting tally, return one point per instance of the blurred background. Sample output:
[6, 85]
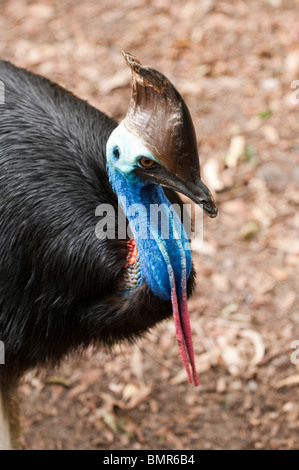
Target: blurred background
[235, 63]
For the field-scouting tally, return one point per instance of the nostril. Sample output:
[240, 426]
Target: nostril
[116, 153]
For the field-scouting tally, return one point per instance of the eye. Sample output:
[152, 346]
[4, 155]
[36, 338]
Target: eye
[116, 153]
[145, 162]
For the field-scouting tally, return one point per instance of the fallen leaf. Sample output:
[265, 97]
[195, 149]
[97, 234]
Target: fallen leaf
[136, 363]
[91, 376]
[292, 63]
[229, 309]
[221, 385]
[232, 358]
[220, 282]
[288, 245]
[57, 380]
[130, 390]
[270, 134]
[279, 274]
[109, 403]
[211, 175]
[288, 301]
[291, 380]
[109, 420]
[258, 343]
[270, 83]
[249, 230]
[44, 12]
[77, 390]
[119, 80]
[139, 397]
[235, 151]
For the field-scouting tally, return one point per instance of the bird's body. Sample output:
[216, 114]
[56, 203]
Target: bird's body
[60, 285]
[58, 281]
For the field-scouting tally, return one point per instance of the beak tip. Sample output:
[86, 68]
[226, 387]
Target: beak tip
[213, 212]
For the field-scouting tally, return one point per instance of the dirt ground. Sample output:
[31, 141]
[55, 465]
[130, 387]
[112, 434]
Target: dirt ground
[234, 62]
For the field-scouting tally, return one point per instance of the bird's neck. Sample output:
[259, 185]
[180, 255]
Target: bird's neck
[164, 259]
[162, 243]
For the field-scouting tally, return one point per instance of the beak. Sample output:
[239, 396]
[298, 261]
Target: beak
[196, 191]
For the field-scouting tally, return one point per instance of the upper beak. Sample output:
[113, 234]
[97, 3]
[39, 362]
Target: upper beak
[196, 191]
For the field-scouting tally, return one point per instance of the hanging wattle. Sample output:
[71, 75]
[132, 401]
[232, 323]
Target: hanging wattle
[165, 262]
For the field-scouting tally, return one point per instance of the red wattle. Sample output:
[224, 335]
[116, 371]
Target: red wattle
[183, 334]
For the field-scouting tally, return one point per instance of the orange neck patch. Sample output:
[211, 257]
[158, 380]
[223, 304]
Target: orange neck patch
[132, 253]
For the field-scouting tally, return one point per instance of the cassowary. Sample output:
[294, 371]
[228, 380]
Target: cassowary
[61, 286]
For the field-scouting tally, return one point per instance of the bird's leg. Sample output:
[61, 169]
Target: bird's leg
[9, 414]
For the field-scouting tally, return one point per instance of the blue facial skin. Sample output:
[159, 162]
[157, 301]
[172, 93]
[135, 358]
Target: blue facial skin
[158, 257]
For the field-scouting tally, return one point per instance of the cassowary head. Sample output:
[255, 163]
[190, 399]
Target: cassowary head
[156, 141]
[155, 147]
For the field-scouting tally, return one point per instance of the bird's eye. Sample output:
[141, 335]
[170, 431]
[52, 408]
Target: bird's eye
[145, 162]
[116, 153]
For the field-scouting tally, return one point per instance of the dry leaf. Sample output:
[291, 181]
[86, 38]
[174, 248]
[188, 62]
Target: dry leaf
[119, 80]
[235, 151]
[259, 346]
[136, 363]
[44, 12]
[211, 174]
[130, 390]
[57, 380]
[91, 376]
[109, 420]
[279, 274]
[139, 397]
[221, 385]
[232, 358]
[220, 282]
[288, 301]
[109, 402]
[270, 134]
[77, 390]
[291, 380]
[249, 230]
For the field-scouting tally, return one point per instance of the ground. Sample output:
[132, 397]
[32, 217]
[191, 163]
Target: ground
[235, 63]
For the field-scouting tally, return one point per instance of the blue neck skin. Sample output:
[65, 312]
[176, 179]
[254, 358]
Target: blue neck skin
[160, 254]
